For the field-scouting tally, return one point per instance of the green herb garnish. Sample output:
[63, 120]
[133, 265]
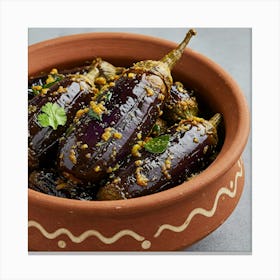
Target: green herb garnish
[158, 144]
[94, 115]
[108, 96]
[35, 91]
[56, 79]
[156, 129]
[69, 130]
[53, 115]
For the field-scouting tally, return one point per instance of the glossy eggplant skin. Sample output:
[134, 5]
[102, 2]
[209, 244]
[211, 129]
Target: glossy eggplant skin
[103, 69]
[180, 105]
[96, 147]
[40, 80]
[70, 94]
[33, 82]
[73, 92]
[33, 161]
[191, 145]
[50, 182]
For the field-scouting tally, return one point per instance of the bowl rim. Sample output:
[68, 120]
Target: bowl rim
[217, 169]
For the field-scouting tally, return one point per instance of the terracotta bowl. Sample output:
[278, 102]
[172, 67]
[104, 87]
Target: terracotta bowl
[165, 221]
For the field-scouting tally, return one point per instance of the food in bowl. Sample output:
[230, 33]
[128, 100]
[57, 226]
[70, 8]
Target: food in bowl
[100, 132]
[162, 221]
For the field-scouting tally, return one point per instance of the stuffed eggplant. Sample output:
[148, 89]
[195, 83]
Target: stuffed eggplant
[124, 114]
[165, 161]
[181, 104]
[50, 182]
[100, 132]
[54, 108]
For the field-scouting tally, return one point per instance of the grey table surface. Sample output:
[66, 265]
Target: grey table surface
[231, 49]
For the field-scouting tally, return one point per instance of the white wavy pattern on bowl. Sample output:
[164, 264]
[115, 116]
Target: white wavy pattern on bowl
[145, 244]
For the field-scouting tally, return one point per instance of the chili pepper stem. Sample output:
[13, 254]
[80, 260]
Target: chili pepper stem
[216, 120]
[172, 57]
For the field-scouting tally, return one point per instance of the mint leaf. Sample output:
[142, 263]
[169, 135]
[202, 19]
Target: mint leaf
[158, 144]
[53, 115]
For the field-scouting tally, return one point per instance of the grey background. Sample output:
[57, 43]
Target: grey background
[231, 49]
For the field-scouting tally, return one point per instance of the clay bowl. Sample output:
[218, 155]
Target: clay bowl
[165, 221]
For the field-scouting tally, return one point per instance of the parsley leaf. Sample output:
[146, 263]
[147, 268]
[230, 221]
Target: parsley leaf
[158, 144]
[53, 115]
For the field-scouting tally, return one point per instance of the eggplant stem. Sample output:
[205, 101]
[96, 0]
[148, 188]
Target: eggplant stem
[172, 57]
[93, 71]
[216, 120]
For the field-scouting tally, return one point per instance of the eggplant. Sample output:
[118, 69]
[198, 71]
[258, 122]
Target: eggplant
[180, 105]
[50, 182]
[35, 84]
[33, 161]
[42, 83]
[73, 98]
[124, 114]
[69, 96]
[106, 72]
[39, 82]
[189, 150]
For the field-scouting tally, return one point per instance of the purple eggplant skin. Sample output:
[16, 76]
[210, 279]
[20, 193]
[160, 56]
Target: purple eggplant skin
[75, 95]
[49, 181]
[33, 82]
[180, 105]
[192, 143]
[103, 69]
[40, 80]
[43, 76]
[96, 147]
